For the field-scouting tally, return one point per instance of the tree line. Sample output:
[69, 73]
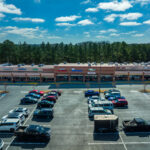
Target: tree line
[46, 53]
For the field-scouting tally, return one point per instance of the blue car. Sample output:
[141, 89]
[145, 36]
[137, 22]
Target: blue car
[33, 95]
[91, 93]
[28, 100]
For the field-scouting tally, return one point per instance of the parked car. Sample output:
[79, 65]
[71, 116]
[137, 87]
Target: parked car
[45, 104]
[43, 113]
[58, 92]
[111, 90]
[9, 125]
[137, 124]
[29, 100]
[114, 93]
[91, 93]
[120, 103]
[1, 144]
[24, 111]
[103, 104]
[50, 98]
[52, 94]
[33, 95]
[33, 132]
[94, 98]
[37, 92]
[15, 115]
[98, 111]
[115, 97]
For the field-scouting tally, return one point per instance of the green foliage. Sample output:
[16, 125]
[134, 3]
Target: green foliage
[83, 52]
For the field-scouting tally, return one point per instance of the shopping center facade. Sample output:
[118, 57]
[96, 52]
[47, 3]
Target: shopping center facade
[75, 73]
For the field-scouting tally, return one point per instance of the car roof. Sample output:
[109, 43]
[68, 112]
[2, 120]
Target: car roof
[139, 120]
[20, 109]
[96, 108]
[103, 102]
[46, 109]
[11, 120]
[14, 114]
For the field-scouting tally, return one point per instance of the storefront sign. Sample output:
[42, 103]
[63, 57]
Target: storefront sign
[91, 73]
[62, 70]
[76, 70]
[22, 69]
[35, 69]
[91, 69]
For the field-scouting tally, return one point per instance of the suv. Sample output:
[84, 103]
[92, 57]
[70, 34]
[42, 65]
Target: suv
[43, 113]
[9, 125]
[91, 93]
[94, 98]
[98, 111]
[103, 104]
[15, 115]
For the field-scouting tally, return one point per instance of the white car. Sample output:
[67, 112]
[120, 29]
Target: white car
[94, 99]
[98, 111]
[14, 115]
[24, 111]
[9, 125]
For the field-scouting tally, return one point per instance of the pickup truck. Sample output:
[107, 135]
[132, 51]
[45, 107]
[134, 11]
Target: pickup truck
[91, 93]
[33, 132]
[137, 124]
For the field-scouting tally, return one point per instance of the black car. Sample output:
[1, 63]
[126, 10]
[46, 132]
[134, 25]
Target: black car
[28, 100]
[43, 113]
[1, 144]
[33, 132]
[45, 104]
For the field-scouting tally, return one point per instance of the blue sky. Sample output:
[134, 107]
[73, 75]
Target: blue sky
[75, 21]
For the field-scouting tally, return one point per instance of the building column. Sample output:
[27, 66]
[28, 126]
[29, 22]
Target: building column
[11, 77]
[55, 77]
[26, 77]
[143, 76]
[69, 76]
[40, 78]
[83, 78]
[128, 76]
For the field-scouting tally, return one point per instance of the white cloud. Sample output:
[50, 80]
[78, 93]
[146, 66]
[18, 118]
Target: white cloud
[138, 35]
[87, 34]
[128, 16]
[114, 34]
[142, 2]
[86, 2]
[92, 10]
[110, 18]
[106, 31]
[65, 24]
[1, 16]
[29, 19]
[85, 22]
[147, 22]
[67, 18]
[115, 5]
[128, 33]
[131, 16]
[130, 24]
[100, 36]
[9, 8]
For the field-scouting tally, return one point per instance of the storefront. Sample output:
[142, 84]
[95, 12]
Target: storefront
[135, 75]
[77, 78]
[105, 78]
[47, 77]
[62, 77]
[121, 76]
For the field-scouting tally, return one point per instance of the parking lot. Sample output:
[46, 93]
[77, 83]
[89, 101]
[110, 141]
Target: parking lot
[71, 127]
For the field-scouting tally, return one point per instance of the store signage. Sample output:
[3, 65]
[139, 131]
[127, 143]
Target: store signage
[91, 73]
[22, 69]
[76, 70]
[35, 69]
[62, 70]
[91, 69]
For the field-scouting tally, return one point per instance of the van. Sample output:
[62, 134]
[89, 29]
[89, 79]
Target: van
[104, 104]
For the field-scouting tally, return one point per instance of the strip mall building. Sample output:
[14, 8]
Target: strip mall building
[75, 72]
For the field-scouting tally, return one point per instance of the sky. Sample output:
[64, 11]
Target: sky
[55, 21]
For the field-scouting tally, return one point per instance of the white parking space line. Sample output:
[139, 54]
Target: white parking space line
[78, 92]
[24, 92]
[123, 142]
[134, 91]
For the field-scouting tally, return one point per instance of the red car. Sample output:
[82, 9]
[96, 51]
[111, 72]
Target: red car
[50, 98]
[37, 92]
[120, 103]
